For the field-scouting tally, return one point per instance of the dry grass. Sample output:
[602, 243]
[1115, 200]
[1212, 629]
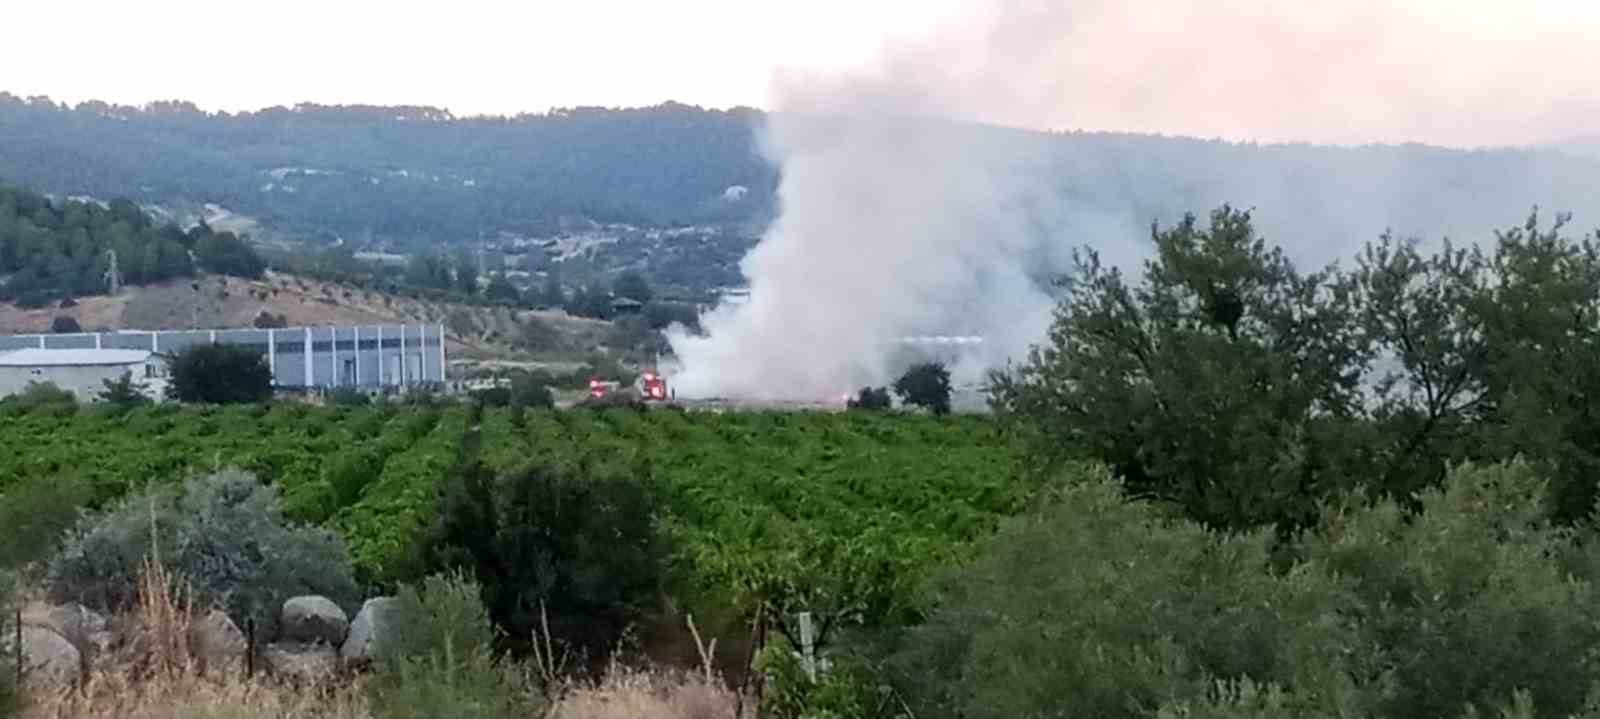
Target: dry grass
[151, 674]
[635, 694]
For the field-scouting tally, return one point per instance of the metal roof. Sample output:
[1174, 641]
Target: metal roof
[71, 358]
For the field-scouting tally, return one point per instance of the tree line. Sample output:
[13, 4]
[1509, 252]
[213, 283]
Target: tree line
[55, 250]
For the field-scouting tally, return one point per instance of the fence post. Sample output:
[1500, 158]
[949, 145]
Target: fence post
[808, 645]
[250, 647]
[17, 647]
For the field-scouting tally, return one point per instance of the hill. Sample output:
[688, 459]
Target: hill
[214, 301]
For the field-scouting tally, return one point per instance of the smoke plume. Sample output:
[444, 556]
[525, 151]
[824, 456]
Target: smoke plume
[906, 209]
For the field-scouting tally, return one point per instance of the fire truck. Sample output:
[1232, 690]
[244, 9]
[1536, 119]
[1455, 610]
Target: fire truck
[652, 387]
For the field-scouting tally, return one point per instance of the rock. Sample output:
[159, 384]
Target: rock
[301, 662]
[46, 655]
[82, 626]
[367, 631]
[308, 620]
[215, 641]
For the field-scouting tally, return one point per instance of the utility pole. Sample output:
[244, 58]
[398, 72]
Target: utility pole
[113, 275]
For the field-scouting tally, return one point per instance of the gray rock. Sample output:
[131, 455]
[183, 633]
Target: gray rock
[46, 655]
[216, 642]
[76, 623]
[301, 662]
[308, 620]
[367, 631]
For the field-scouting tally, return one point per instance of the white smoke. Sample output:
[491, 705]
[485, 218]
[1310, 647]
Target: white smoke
[901, 215]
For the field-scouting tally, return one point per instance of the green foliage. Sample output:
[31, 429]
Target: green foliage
[349, 397]
[41, 396]
[220, 374]
[576, 544]
[65, 324]
[501, 290]
[1107, 608]
[123, 392]
[51, 250]
[224, 533]
[439, 658]
[926, 385]
[633, 286]
[1232, 384]
[36, 513]
[224, 253]
[1465, 597]
[844, 690]
[871, 399]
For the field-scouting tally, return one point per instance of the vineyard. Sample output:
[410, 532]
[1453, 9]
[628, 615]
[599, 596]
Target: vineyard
[842, 514]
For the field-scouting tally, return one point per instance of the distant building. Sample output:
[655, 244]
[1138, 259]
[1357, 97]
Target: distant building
[626, 305]
[83, 372]
[367, 357]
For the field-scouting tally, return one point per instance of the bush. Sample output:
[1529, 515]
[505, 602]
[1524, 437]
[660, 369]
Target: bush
[926, 385]
[348, 397]
[1105, 608]
[439, 660]
[36, 512]
[65, 325]
[41, 395]
[577, 542]
[224, 533]
[220, 374]
[123, 392]
[873, 399]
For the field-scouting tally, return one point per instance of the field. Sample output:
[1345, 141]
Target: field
[792, 509]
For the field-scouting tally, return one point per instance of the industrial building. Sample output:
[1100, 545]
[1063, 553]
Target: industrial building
[368, 357]
[81, 372]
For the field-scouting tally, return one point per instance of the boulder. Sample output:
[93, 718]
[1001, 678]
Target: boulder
[301, 662]
[46, 655]
[86, 629]
[308, 620]
[371, 624]
[215, 641]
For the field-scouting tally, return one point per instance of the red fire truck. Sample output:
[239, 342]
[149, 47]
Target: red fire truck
[652, 387]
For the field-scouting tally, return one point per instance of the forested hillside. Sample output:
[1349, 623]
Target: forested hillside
[397, 172]
[56, 250]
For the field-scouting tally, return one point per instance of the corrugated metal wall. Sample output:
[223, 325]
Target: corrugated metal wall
[349, 356]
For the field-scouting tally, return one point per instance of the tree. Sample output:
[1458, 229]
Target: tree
[466, 275]
[501, 290]
[575, 542]
[220, 374]
[65, 324]
[1224, 381]
[552, 297]
[227, 254]
[874, 399]
[632, 285]
[123, 392]
[926, 385]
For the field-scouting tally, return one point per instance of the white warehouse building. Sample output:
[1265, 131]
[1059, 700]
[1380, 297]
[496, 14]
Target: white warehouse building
[83, 372]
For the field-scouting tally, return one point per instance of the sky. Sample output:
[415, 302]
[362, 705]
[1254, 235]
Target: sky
[1453, 72]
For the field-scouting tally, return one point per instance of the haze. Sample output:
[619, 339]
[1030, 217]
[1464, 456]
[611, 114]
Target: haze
[1452, 72]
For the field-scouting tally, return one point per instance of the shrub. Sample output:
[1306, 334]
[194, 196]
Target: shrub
[65, 325]
[1105, 608]
[874, 399]
[42, 395]
[1467, 599]
[348, 397]
[123, 392]
[577, 543]
[926, 385]
[224, 533]
[220, 374]
[439, 660]
[36, 512]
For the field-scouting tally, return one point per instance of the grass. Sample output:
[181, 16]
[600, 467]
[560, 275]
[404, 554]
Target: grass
[154, 676]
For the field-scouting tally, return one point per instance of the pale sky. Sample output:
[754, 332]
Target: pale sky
[1461, 72]
[471, 56]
